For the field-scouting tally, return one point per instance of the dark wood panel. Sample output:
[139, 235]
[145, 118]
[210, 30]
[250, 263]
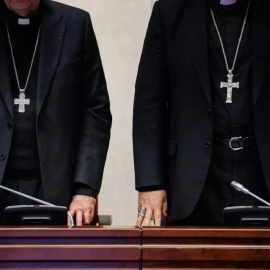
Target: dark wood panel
[206, 253]
[70, 266]
[126, 248]
[56, 232]
[206, 248]
[65, 248]
[206, 265]
[69, 253]
[202, 232]
[65, 235]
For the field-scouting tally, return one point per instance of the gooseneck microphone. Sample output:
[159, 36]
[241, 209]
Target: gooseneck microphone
[34, 199]
[241, 188]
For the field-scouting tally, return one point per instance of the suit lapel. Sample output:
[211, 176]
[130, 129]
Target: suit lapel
[261, 42]
[52, 37]
[5, 86]
[197, 34]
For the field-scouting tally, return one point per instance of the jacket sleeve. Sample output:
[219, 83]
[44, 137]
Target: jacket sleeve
[95, 122]
[150, 108]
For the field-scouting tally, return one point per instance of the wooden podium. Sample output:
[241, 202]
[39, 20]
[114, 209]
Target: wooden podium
[118, 248]
[201, 248]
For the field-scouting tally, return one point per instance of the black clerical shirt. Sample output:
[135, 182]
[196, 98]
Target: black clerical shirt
[24, 155]
[24, 151]
[234, 119]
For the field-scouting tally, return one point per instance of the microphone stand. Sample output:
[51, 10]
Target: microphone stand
[36, 200]
[241, 188]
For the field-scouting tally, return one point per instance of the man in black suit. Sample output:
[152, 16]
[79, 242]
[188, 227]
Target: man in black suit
[55, 115]
[202, 109]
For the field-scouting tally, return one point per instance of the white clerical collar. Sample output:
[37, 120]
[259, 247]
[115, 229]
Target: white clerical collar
[228, 2]
[23, 21]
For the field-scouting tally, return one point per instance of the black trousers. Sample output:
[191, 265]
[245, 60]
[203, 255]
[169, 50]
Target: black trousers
[243, 166]
[28, 182]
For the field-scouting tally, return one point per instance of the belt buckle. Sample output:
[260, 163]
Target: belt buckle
[235, 139]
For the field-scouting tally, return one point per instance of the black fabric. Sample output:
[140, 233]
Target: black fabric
[150, 188]
[24, 150]
[173, 126]
[227, 165]
[73, 117]
[237, 118]
[84, 189]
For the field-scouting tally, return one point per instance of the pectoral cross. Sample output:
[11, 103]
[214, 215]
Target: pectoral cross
[229, 85]
[21, 101]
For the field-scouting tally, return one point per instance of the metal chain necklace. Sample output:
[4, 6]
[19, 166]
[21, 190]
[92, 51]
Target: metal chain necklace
[22, 101]
[230, 85]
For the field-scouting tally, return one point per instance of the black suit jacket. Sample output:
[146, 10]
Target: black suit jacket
[73, 117]
[173, 127]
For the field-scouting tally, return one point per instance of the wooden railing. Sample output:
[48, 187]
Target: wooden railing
[131, 248]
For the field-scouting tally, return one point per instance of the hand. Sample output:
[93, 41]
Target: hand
[155, 203]
[83, 207]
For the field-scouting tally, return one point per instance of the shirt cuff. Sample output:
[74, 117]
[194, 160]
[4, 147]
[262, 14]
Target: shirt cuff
[151, 188]
[83, 189]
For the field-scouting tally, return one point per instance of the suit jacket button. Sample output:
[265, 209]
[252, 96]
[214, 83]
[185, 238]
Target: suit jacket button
[2, 157]
[207, 144]
[208, 112]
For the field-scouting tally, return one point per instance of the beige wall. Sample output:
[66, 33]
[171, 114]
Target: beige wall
[120, 27]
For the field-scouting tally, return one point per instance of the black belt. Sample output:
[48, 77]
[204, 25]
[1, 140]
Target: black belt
[236, 143]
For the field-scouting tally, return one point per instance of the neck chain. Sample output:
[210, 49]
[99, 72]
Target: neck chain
[230, 85]
[22, 101]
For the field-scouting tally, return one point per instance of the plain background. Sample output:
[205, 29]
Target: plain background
[120, 27]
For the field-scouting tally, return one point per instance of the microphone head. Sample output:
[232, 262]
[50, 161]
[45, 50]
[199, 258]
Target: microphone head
[237, 186]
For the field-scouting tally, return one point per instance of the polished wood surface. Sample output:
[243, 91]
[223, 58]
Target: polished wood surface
[65, 248]
[131, 248]
[200, 248]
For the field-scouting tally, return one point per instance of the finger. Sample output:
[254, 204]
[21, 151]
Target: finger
[165, 208]
[87, 217]
[92, 215]
[79, 217]
[157, 217]
[72, 212]
[140, 219]
[148, 217]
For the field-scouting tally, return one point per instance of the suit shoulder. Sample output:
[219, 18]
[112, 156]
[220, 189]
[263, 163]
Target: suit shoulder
[172, 4]
[69, 10]
[170, 10]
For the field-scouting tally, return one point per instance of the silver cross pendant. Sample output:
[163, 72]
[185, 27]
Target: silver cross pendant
[230, 85]
[22, 102]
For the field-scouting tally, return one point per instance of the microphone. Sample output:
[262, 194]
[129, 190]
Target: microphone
[34, 199]
[241, 188]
